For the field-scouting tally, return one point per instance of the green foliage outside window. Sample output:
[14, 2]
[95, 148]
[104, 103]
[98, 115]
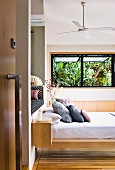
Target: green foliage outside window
[67, 73]
[82, 73]
[97, 73]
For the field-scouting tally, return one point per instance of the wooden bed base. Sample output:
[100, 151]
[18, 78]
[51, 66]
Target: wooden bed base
[42, 138]
[101, 144]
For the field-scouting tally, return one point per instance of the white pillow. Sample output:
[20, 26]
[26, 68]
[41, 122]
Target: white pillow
[36, 81]
[55, 121]
[55, 117]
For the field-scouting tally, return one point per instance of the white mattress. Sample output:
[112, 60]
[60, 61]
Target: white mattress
[102, 125]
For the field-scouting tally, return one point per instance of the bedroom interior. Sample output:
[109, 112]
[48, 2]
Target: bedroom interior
[92, 100]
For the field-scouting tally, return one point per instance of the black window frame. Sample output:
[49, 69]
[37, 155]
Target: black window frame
[81, 55]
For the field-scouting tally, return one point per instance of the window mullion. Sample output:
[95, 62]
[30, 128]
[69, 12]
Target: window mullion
[82, 71]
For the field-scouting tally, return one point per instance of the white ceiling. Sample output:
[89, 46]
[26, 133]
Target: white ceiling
[59, 15]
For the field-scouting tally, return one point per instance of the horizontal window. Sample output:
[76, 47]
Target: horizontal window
[83, 70]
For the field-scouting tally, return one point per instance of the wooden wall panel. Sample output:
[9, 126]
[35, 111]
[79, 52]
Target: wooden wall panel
[78, 104]
[96, 106]
[90, 105]
[109, 106]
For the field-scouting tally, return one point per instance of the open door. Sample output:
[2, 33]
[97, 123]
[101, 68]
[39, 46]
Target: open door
[9, 94]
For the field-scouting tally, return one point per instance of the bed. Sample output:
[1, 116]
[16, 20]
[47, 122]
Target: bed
[98, 134]
[102, 126]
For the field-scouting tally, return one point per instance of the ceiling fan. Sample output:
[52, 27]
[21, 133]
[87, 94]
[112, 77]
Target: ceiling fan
[83, 28]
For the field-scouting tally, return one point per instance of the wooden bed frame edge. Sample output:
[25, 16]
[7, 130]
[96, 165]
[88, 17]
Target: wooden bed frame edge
[101, 144]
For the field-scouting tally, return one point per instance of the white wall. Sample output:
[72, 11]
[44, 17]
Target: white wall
[82, 94]
[38, 52]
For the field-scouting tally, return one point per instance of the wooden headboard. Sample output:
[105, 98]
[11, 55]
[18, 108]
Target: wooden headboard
[96, 106]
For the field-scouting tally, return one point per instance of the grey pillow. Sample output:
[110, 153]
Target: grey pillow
[60, 109]
[76, 114]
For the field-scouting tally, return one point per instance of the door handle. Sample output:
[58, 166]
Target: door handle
[18, 119]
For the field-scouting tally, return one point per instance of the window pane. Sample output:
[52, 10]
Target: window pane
[97, 71]
[67, 71]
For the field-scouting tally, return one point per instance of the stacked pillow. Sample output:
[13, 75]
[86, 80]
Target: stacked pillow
[60, 109]
[85, 116]
[76, 114]
[34, 94]
[64, 110]
[66, 102]
[54, 116]
[69, 112]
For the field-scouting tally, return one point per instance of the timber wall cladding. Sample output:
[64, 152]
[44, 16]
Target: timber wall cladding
[96, 106]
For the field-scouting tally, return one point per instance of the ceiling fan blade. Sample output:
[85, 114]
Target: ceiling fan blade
[66, 32]
[101, 29]
[78, 25]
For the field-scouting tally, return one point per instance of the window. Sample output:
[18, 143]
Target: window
[83, 70]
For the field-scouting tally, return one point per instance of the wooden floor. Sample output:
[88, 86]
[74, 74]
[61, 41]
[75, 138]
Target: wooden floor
[71, 159]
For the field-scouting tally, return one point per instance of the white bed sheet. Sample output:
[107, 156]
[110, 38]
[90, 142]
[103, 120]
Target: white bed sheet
[102, 126]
